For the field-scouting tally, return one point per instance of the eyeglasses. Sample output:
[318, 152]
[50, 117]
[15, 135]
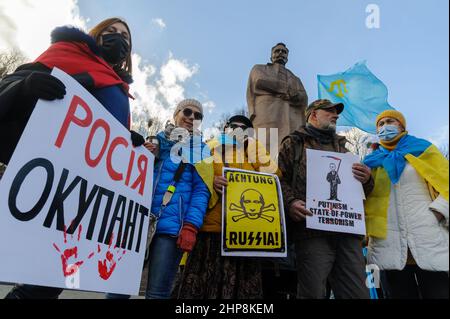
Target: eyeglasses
[235, 126]
[197, 115]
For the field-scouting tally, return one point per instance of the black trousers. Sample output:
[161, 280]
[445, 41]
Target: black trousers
[415, 283]
[33, 292]
[333, 191]
[335, 260]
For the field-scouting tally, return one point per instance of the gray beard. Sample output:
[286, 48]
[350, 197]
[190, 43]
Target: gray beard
[329, 127]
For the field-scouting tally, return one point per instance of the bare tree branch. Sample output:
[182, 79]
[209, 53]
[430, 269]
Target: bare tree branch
[9, 61]
[444, 150]
[145, 124]
[359, 142]
[223, 119]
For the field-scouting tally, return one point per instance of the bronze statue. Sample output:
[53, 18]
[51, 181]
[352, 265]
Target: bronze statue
[276, 98]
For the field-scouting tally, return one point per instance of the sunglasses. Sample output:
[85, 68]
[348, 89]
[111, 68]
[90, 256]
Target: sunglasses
[197, 115]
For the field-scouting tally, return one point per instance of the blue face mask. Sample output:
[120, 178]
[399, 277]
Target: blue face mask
[388, 132]
[227, 139]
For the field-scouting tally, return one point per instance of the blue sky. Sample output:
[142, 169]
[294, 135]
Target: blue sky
[218, 43]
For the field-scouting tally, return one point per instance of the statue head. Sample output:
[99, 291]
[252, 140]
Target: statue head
[279, 54]
[332, 167]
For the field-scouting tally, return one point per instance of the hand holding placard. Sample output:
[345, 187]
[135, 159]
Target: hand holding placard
[297, 211]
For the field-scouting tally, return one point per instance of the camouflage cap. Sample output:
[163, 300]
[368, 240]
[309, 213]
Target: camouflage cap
[323, 104]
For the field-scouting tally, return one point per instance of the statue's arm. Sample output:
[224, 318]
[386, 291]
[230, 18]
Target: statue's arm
[270, 85]
[298, 96]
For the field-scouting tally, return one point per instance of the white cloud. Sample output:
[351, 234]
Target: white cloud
[209, 106]
[27, 24]
[172, 75]
[440, 137]
[159, 22]
[147, 97]
[7, 27]
[157, 93]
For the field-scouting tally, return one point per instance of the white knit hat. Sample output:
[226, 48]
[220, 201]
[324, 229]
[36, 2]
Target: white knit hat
[188, 102]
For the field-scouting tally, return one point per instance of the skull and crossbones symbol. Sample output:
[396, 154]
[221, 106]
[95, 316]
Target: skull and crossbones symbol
[252, 206]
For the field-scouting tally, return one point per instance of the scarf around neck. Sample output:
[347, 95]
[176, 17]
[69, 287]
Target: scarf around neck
[394, 161]
[324, 136]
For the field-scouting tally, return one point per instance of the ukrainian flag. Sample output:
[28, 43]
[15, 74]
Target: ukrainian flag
[429, 163]
[362, 93]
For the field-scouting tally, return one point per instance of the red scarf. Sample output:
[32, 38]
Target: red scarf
[76, 57]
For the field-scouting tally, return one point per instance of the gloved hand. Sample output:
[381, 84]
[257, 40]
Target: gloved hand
[187, 238]
[137, 139]
[44, 86]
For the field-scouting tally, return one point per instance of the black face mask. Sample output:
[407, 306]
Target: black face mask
[114, 48]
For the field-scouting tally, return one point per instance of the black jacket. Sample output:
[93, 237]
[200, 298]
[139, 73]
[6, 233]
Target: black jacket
[16, 108]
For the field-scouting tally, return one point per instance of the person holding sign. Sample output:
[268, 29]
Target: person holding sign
[100, 61]
[321, 255]
[407, 212]
[182, 190]
[207, 274]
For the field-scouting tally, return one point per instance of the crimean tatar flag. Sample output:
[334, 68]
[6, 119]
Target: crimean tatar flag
[362, 93]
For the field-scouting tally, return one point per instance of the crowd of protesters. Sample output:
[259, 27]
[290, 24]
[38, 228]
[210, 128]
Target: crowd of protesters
[405, 181]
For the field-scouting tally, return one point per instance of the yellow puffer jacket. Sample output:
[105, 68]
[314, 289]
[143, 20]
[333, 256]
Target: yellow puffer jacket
[254, 158]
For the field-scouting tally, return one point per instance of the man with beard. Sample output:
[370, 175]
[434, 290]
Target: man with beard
[322, 256]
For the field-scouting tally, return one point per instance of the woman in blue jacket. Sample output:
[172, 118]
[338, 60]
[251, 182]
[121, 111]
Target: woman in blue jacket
[180, 198]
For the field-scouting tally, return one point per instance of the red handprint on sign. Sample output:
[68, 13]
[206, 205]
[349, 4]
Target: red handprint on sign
[69, 253]
[107, 266]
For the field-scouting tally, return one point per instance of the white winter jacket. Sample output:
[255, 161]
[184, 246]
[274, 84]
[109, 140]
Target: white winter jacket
[412, 224]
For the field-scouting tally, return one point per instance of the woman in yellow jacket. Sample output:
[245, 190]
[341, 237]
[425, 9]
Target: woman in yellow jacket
[207, 274]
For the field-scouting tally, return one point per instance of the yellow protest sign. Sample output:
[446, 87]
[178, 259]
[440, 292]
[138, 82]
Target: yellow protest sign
[253, 216]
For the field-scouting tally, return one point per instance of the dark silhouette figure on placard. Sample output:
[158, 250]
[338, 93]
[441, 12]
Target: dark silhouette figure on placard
[334, 180]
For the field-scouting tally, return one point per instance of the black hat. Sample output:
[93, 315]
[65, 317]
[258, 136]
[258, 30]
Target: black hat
[242, 119]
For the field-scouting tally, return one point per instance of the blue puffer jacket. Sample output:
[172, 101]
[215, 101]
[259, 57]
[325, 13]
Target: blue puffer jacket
[190, 200]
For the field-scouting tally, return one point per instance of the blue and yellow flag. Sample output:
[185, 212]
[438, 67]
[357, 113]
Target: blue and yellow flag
[423, 156]
[362, 93]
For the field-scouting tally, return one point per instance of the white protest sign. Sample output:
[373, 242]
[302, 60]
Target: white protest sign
[333, 195]
[75, 199]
